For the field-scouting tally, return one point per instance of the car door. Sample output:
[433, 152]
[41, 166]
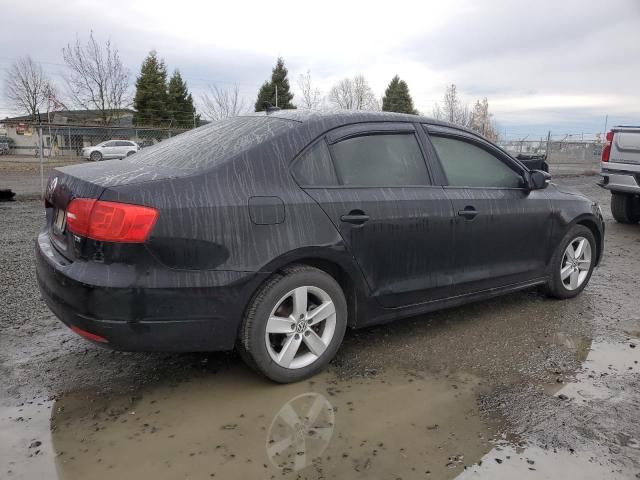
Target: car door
[109, 149]
[122, 148]
[373, 183]
[502, 230]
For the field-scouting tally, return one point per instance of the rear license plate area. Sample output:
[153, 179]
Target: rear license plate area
[59, 221]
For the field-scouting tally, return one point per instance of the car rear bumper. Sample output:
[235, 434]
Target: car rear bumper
[140, 317]
[620, 177]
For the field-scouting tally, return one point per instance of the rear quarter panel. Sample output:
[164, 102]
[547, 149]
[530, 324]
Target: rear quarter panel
[205, 222]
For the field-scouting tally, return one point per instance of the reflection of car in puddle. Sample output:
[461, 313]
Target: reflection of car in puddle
[300, 431]
[234, 425]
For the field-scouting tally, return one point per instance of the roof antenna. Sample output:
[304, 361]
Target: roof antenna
[270, 108]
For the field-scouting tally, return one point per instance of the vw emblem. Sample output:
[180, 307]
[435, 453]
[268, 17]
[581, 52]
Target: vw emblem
[52, 186]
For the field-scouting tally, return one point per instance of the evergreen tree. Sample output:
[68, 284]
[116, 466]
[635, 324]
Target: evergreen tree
[150, 100]
[397, 98]
[180, 103]
[267, 92]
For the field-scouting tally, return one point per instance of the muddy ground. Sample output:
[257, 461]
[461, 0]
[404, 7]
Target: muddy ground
[516, 387]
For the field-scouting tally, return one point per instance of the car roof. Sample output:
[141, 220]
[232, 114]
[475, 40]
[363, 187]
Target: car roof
[324, 120]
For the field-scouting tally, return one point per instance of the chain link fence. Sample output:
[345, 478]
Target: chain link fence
[67, 141]
[563, 155]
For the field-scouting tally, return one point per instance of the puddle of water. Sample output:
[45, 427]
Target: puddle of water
[577, 344]
[604, 363]
[632, 327]
[26, 451]
[234, 425]
[507, 462]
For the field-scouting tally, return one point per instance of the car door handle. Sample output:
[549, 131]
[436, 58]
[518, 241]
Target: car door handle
[469, 213]
[355, 218]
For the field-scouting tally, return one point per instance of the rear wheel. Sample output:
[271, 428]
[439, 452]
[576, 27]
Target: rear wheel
[130, 153]
[572, 263]
[95, 156]
[294, 325]
[625, 207]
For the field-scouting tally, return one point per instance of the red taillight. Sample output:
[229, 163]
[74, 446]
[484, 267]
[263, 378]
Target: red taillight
[110, 221]
[606, 149]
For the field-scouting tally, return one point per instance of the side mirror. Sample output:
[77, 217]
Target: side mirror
[538, 179]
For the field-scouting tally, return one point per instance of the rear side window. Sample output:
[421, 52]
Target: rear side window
[215, 142]
[467, 165]
[388, 159]
[314, 167]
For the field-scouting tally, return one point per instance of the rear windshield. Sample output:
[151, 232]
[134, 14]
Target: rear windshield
[212, 144]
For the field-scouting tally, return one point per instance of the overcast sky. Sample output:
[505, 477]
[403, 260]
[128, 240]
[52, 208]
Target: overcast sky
[550, 64]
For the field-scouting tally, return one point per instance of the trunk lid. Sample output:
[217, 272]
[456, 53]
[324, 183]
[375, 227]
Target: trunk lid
[90, 181]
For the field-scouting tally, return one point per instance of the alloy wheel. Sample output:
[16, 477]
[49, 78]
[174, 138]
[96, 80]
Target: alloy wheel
[300, 327]
[576, 263]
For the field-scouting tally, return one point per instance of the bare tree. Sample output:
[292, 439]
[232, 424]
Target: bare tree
[311, 97]
[452, 108]
[98, 80]
[354, 94]
[221, 103]
[481, 120]
[26, 86]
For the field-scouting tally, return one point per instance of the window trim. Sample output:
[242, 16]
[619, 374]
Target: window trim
[477, 142]
[371, 128]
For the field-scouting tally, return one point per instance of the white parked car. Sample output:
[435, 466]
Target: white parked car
[110, 149]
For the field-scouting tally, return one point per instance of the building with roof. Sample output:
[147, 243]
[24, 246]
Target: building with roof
[66, 132]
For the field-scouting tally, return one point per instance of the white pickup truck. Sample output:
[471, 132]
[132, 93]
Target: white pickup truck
[620, 171]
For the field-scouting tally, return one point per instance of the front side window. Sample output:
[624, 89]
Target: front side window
[109, 144]
[468, 165]
[314, 167]
[385, 159]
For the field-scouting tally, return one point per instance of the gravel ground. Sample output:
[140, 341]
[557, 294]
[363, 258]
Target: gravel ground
[516, 387]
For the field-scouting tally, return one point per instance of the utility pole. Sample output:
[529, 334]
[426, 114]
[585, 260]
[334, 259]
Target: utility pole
[194, 119]
[276, 96]
[548, 145]
[606, 120]
[40, 146]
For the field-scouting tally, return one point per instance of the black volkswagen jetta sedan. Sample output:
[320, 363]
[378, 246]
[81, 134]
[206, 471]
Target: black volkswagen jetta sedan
[272, 233]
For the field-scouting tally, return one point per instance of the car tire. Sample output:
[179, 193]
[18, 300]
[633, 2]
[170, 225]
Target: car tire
[625, 207]
[568, 275]
[130, 153]
[95, 156]
[273, 326]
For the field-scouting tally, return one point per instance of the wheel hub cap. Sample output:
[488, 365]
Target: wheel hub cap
[300, 327]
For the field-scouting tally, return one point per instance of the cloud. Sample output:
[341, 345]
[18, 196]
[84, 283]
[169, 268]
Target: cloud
[549, 61]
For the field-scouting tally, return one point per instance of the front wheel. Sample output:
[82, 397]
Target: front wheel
[95, 156]
[572, 263]
[294, 325]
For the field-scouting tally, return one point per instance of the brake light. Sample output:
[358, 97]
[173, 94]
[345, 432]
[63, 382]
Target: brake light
[606, 149]
[110, 221]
